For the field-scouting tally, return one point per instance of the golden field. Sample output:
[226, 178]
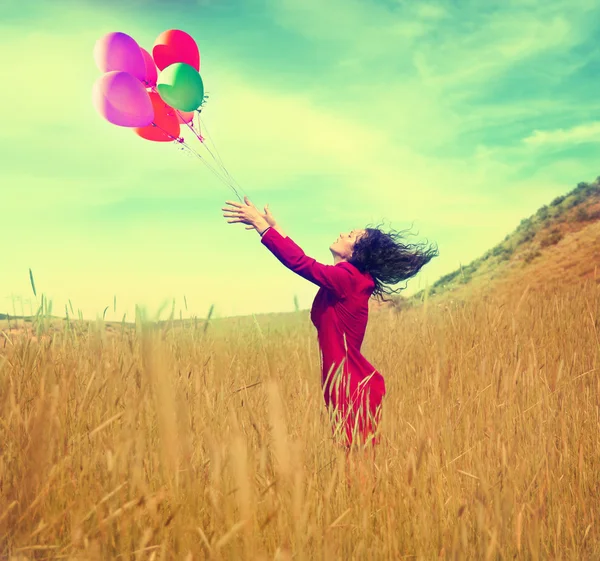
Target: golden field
[192, 443]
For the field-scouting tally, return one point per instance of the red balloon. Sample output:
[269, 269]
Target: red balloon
[165, 125]
[174, 46]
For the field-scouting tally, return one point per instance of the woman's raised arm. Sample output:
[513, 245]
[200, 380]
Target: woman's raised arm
[337, 278]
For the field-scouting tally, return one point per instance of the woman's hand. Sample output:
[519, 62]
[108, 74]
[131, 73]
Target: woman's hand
[249, 214]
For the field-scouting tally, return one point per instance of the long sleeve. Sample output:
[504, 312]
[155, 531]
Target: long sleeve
[336, 278]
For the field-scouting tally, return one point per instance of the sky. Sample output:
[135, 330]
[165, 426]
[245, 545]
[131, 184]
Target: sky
[455, 119]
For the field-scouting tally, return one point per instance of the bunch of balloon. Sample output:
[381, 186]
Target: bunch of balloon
[154, 94]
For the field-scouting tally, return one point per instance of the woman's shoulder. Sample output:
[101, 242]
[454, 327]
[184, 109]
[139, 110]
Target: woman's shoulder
[366, 277]
[349, 267]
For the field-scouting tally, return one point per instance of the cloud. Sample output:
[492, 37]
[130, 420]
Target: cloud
[267, 137]
[431, 11]
[451, 45]
[588, 132]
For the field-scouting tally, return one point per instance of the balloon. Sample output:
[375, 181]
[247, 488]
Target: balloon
[165, 125]
[181, 87]
[174, 46]
[119, 51]
[185, 117]
[122, 100]
[151, 72]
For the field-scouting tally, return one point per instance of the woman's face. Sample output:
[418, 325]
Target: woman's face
[344, 245]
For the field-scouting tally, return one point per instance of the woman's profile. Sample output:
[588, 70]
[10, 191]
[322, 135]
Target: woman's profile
[367, 262]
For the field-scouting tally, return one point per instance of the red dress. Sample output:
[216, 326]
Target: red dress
[352, 387]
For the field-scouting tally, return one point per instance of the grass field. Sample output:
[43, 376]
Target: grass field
[213, 444]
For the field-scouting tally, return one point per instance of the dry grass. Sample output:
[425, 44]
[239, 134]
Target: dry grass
[214, 445]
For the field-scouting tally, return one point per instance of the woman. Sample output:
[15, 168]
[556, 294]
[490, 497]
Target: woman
[364, 262]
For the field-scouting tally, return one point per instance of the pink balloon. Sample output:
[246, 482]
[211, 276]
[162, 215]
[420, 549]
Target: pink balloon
[119, 51]
[122, 100]
[151, 71]
[185, 117]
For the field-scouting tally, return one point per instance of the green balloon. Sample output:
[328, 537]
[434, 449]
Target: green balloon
[181, 87]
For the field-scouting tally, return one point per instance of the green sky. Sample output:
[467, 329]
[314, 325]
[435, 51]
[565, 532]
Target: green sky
[459, 118]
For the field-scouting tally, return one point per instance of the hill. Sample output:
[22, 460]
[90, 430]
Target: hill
[559, 244]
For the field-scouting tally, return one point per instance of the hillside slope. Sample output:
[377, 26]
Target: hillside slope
[558, 245]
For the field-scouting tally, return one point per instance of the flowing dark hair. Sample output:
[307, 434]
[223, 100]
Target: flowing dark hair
[388, 259]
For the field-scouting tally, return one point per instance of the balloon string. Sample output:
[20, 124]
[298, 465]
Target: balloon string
[218, 159]
[233, 183]
[204, 127]
[207, 164]
[198, 136]
[181, 141]
[201, 139]
[210, 167]
[222, 166]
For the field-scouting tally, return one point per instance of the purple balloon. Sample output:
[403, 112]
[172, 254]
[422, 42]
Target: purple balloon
[122, 100]
[119, 51]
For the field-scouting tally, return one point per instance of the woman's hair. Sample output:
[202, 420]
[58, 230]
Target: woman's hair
[388, 260]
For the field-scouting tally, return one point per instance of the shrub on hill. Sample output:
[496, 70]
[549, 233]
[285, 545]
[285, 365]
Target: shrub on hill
[530, 255]
[526, 236]
[595, 215]
[525, 225]
[586, 189]
[498, 250]
[552, 238]
[582, 214]
[505, 255]
[574, 200]
[543, 213]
